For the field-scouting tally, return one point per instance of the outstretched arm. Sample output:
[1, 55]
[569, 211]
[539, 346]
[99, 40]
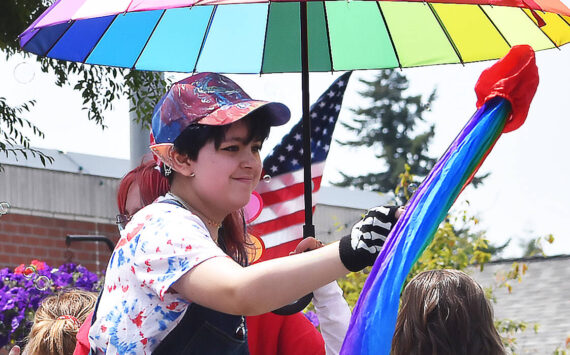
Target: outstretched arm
[225, 286]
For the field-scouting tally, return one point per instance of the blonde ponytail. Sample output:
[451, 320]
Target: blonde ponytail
[57, 321]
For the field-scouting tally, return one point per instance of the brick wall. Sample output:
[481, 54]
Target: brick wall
[27, 237]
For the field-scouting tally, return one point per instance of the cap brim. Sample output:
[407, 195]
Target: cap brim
[277, 113]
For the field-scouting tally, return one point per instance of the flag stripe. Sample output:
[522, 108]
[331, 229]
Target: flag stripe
[282, 222]
[285, 235]
[286, 180]
[284, 208]
[280, 250]
[293, 191]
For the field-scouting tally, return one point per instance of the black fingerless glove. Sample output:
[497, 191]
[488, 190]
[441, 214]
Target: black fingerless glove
[361, 248]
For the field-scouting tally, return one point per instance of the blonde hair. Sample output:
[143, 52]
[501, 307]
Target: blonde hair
[57, 321]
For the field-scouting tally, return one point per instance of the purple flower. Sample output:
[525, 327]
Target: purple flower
[312, 316]
[20, 295]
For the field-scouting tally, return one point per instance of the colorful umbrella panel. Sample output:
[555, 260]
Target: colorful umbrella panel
[264, 37]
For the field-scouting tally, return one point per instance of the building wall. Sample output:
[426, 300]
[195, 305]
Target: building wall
[334, 222]
[542, 297]
[46, 206]
[59, 194]
[27, 237]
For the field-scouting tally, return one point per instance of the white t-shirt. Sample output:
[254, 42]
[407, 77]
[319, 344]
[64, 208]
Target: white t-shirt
[137, 310]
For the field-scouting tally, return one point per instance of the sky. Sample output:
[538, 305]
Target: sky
[525, 196]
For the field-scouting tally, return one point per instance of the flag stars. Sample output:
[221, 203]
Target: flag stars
[297, 137]
[289, 147]
[326, 147]
[314, 115]
[294, 162]
[281, 158]
[341, 83]
[331, 119]
[322, 104]
[337, 108]
[273, 168]
[330, 94]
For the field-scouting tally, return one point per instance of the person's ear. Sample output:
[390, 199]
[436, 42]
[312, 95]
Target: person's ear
[181, 163]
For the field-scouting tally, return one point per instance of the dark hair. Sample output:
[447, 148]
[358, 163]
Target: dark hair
[233, 235]
[445, 312]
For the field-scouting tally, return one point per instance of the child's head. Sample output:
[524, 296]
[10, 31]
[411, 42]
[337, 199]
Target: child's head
[201, 108]
[57, 321]
[445, 312]
[140, 187]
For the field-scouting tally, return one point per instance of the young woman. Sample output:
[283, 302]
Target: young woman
[445, 312]
[178, 280]
[268, 333]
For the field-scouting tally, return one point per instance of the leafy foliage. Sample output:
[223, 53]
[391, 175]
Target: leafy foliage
[535, 246]
[12, 140]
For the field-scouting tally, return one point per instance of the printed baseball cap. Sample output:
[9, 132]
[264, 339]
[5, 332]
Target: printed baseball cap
[208, 99]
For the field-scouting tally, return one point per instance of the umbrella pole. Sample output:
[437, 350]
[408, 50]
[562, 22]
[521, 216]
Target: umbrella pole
[308, 228]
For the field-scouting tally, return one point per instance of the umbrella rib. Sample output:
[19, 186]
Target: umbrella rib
[547, 36]
[563, 19]
[205, 36]
[99, 40]
[265, 38]
[328, 36]
[389, 34]
[494, 25]
[148, 39]
[446, 33]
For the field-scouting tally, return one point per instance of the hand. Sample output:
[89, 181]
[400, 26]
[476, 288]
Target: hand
[15, 350]
[362, 246]
[307, 244]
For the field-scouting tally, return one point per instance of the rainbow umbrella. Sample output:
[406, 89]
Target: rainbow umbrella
[504, 94]
[262, 36]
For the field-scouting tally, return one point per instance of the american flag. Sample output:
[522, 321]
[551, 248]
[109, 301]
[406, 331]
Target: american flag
[280, 224]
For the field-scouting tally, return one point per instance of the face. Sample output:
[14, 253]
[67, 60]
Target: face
[225, 177]
[133, 202]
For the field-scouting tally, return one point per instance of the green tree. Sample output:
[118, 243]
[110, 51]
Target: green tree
[388, 126]
[535, 246]
[99, 86]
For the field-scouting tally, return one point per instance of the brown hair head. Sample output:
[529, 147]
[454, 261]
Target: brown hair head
[445, 312]
[57, 321]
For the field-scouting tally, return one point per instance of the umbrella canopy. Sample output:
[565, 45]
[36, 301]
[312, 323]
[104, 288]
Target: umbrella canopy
[244, 36]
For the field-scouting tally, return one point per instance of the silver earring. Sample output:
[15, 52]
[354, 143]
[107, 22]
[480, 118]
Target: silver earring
[192, 174]
[167, 170]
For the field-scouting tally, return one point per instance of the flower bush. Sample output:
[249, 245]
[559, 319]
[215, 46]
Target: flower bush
[22, 290]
